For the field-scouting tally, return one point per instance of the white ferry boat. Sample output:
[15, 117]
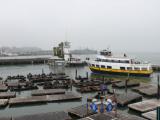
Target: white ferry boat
[107, 63]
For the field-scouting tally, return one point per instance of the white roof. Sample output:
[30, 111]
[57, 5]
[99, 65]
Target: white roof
[113, 57]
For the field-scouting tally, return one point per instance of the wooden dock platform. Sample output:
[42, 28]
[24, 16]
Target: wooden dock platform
[63, 97]
[152, 115]
[7, 95]
[3, 102]
[80, 111]
[3, 88]
[127, 98]
[27, 100]
[47, 92]
[111, 116]
[145, 106]
[147, 90]
[123, 84]
[45, 116]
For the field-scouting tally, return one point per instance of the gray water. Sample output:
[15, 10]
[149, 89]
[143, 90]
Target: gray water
[50, 107]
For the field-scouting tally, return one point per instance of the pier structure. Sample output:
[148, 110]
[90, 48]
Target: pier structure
[26, 60]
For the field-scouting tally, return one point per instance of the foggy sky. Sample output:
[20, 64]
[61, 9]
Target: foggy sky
[122, 25]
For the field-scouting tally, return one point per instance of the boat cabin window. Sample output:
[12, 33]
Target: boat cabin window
[97, 66]
[122, 68]
[109, 67]
[93, 65]
[129, 68]
[136, 68]
[143, 68]
[102, 66]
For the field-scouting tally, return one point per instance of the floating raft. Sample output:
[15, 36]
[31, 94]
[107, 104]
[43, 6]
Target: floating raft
[3, 102]
[152, 115]
[45, 116]
[47, 92]
[145, 106]
[7, 95]
[27, 100]
[123, 84]
[111, 116]
[80, 111]
[3, 88]
[126, 98]
[63, 97]
[145, 89]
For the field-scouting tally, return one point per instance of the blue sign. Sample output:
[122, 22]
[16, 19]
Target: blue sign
[109, 107]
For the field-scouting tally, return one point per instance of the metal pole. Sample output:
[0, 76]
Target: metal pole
[158, 88]
[76, 74]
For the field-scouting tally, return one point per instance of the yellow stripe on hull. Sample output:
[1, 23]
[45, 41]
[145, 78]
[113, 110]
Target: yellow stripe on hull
[122, 71]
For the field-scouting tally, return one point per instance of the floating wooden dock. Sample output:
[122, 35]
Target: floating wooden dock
[7, 95]
[3, 102]
[3, 88]
[63, 97]
[147, 90]
[123, 84]
[145, 106]
[111, 116]
[27, 100]
[47, 92]
[46, 116]
[127, 98]
[80, 111]
[43, 116]
[152, 115]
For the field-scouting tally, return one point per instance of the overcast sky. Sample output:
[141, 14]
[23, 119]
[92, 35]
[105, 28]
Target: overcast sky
[122, 25]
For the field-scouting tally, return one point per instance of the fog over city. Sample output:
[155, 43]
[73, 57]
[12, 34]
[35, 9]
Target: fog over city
[122, 25]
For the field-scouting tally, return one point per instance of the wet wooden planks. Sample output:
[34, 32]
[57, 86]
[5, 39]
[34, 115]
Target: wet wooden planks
[7, 95]
[63, 97]
[123, 84]
[3, 88]
[126, 98]
[47, 92]
[145, 106]
[111, 116]
[145, 89]
[152, 115]
[3, 102]
[27, 100]
[44, 116]
[80, 111]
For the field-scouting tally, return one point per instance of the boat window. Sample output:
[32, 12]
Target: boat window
[122, 68]
[109, 67]
[93, 65]
[136, 68]
[129, 68]
[143, 68]
[97, 65]
[102, 66]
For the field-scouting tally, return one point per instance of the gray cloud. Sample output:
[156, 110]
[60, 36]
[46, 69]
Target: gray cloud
[124, 25]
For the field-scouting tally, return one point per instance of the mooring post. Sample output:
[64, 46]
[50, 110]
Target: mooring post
[76, 74]
[87, 75]
[126, 85]
[158, 88]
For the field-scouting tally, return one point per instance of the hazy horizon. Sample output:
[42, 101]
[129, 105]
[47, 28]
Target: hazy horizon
[122, 25]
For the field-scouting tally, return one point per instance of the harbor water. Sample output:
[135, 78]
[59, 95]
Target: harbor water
[70, 71]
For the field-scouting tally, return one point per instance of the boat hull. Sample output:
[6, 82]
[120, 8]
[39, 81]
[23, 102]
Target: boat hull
[114, 72]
